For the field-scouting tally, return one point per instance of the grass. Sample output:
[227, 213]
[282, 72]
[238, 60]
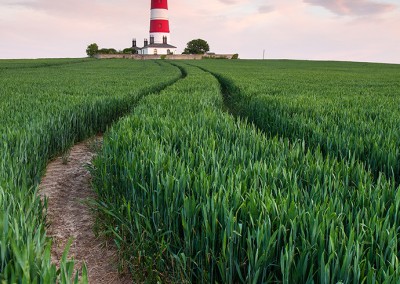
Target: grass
[299, 185]
[343, 108]
[191, 194]
[45, 106]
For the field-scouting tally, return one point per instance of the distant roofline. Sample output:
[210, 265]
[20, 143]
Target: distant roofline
[159, 45]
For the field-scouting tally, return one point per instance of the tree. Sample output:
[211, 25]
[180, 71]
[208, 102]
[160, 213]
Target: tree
[92, 49]
[129, 50]
[196, 46]
[107, 51]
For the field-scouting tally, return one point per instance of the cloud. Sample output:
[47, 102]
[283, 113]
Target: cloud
[69, 7]
[229, 2]
[353, 7]
[264, 9]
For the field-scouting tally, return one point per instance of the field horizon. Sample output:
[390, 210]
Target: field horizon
[249, 59]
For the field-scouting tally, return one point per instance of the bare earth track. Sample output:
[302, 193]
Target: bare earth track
[67, 185]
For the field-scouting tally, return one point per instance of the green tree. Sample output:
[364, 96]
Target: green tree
[92, 49]
[196, 46]
[129, 50]
[107, 51]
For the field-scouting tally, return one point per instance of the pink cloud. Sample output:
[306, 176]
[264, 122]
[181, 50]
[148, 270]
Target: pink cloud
[81, 9]
[228, 1]
[264, 9]
[353, 7]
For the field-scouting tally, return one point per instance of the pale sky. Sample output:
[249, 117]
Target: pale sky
[351, 30]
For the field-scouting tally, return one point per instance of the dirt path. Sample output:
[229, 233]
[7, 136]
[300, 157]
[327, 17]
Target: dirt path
[67, 184]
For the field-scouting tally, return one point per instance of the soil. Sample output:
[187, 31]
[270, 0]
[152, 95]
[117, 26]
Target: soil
[66, 185]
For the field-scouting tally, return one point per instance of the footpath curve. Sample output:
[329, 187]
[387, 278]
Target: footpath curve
[66, 186]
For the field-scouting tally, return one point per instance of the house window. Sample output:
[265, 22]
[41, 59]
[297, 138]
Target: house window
[155, 51]
[168, 51]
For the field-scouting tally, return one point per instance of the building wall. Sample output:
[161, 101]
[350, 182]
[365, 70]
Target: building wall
[160, 51]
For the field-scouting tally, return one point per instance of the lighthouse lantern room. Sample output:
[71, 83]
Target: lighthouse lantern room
[159, 31]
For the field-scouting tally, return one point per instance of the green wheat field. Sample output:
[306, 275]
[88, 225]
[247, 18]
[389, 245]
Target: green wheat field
[211, 171]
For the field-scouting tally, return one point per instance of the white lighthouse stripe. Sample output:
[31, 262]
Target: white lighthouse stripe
[159, 14]
[158, 37]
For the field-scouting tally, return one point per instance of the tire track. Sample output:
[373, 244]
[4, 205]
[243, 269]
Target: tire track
[66, 185]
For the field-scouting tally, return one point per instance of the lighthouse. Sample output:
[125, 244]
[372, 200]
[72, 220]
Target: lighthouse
[159, 43]
[159, 22]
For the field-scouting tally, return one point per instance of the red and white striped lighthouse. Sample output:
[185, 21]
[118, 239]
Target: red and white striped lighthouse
[159, 22]
[159, 32]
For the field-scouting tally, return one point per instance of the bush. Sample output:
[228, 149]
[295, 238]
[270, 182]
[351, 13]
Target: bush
[108, 51]
[127, 51]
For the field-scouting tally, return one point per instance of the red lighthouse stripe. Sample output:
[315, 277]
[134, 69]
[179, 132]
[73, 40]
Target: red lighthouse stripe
[159, 26]
[159, 4]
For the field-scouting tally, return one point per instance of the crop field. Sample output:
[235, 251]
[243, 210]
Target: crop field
[45, 107]
[344, 109]
[211, 171]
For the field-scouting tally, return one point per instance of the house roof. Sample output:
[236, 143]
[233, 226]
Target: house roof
[159, 45]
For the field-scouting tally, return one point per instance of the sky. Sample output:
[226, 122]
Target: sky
[348, 30]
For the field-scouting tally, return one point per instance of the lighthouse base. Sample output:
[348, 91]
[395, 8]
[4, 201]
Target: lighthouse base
[158, 49]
